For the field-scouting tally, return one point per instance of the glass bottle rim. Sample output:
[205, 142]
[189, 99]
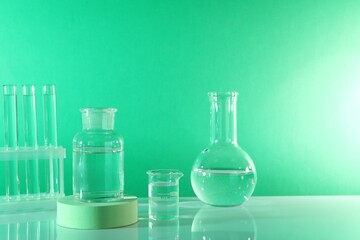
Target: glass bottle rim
[98, 110]
[223, 94]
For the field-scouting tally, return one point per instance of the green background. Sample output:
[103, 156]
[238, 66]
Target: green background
[295, 65]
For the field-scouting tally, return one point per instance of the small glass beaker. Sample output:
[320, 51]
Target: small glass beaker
[164, 194]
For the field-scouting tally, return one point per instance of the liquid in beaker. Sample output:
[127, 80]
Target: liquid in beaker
[164, 194]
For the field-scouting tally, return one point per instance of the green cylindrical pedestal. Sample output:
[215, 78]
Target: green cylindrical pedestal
[73, 213]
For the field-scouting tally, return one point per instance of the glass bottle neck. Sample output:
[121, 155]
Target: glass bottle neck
[223, 117]
[98, 118]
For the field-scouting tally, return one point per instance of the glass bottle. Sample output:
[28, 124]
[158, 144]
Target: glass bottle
[98, 160]
[223, 174]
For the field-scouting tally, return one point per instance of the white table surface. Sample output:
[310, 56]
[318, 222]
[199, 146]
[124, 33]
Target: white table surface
[262, 218]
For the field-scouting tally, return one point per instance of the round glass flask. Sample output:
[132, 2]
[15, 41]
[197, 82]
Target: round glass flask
[98, 159]
[223, 174]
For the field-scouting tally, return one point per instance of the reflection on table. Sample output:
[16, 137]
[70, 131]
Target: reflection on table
[28, 225]
[260, 218]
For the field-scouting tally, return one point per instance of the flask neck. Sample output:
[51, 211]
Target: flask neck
[223, 117]
[98, 118]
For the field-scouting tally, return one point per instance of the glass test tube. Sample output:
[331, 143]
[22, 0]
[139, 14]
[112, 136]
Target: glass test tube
[50, 132]
[11, 141]
[13, 231]
[31, 140]
[33, 230]
[47, 229]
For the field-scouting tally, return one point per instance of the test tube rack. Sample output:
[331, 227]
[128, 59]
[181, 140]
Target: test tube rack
[31, 176]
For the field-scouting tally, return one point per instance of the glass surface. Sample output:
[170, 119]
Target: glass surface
[164, 229]
[31, 140]
[164, 193]
[50, 168]
[223, 174]
[98, 159]
[50, 123]
[12, 183]
[205, 224]
[30, 121]
[31, 226]
[10, 116]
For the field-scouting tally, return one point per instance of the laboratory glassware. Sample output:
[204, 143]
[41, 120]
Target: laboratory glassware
[12, 182]
[50, 169]
[163, 191]
[98, 158]
[223, 173]
[50, 123]
[24, 169]
[31, 140]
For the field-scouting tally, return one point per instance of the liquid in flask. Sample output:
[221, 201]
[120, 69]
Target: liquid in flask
[223, 173]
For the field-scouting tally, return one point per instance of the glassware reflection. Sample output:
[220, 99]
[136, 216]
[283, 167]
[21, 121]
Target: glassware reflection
[128, 233]
[223, 223]
[164, 229]
[39, 230]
